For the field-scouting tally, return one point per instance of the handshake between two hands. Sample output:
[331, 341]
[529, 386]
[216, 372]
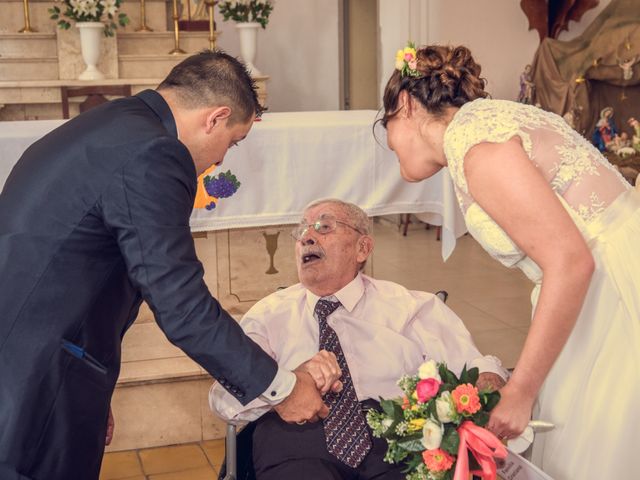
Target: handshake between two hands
[314, 379]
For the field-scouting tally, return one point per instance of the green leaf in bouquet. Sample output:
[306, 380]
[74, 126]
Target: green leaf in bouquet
[411, 445]
[431, 410]
[450, 441]
[469, 376]
[448, 387]
[388, 407]
[481, 418]
[473, 373]
[446, 375]
[395, 453]
[490, 400]
[413, 461]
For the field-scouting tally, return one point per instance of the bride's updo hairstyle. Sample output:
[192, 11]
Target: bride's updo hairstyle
[444, 77]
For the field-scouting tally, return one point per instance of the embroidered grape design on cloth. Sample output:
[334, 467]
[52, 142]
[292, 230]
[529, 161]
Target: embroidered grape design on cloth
[221, 186]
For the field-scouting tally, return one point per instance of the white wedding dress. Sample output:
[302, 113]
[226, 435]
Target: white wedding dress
[592, 393]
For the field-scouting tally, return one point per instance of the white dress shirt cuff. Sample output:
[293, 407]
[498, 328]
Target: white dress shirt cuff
[492, 364]
[280, 388]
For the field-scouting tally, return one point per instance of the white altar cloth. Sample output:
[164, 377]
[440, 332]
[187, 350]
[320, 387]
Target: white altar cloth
[291, 159]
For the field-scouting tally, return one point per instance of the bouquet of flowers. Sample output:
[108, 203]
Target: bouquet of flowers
[247, 10]
[90, 11]
[436, 429]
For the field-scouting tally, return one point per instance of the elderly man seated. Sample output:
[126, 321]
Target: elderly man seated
[356, 336]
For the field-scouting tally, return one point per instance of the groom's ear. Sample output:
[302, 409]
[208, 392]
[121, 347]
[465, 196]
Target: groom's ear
[216, 117]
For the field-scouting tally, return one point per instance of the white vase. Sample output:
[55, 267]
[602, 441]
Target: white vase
[91, 43]
[248, 32]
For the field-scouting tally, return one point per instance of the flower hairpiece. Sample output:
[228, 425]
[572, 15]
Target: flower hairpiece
[407, 61]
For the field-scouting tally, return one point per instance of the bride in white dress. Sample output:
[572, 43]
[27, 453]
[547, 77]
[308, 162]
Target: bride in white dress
[537, 196]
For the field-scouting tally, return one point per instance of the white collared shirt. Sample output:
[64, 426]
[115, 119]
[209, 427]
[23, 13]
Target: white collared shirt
[385, 331]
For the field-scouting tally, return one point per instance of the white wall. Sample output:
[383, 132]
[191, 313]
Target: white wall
[496, 31]
[299, 50]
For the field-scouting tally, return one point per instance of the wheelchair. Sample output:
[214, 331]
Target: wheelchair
[238, 461]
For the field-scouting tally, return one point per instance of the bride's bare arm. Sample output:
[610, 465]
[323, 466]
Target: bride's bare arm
[509, 188]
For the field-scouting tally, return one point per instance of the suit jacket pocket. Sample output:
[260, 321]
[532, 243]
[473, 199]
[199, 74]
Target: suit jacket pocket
[81, 354]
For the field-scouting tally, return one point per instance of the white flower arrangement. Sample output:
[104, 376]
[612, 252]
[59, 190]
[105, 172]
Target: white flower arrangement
[246, 11]
[105, 11]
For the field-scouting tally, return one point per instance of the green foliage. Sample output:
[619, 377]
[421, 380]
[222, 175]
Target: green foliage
[450, 441]
[105, 11]
[246, 11]
[480, 418]
[489, 400]
[449, 379]
[469, 376]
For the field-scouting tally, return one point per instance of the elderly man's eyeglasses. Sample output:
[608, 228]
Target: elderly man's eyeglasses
[327, 223]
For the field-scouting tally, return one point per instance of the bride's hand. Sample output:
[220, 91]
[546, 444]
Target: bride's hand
[512, 414]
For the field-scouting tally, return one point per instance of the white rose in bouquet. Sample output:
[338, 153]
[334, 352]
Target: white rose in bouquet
[432, 434]
[429, 369]
[445, 408]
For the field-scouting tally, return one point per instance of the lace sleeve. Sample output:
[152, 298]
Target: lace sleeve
[482, 120]
[575, 170]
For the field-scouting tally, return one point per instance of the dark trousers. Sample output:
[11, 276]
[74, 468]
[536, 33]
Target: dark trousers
[283, 451]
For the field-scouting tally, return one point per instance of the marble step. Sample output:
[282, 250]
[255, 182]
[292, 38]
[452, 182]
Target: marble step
[43, 68]
[26, 45]
[161, 397]
[160, 43]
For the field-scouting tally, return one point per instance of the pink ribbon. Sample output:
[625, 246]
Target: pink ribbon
[484, 446]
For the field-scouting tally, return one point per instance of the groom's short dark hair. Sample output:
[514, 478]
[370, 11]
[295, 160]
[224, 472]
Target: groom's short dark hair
[212, 77]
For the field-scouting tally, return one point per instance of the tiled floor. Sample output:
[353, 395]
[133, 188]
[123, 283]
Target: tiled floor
[194, 461]
[492, 300]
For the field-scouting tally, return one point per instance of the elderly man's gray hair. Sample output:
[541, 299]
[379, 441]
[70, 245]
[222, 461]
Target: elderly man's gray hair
[355, 215]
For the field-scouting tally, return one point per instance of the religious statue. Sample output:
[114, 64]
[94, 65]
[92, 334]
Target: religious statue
[605, 130]
[621, 145]
[635, 140]
[527, 87]
[627, 67]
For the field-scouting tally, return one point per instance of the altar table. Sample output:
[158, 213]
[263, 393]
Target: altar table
[290, 159]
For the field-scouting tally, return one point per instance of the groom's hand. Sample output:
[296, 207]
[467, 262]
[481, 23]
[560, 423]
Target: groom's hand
[111, 424]
[325, 371]
[304, 403]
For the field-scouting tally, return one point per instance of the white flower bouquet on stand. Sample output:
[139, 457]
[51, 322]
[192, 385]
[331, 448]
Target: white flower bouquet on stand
[249, 16]
[93, 18]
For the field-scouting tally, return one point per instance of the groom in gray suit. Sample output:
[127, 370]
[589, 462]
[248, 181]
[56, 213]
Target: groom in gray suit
[94, 218]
